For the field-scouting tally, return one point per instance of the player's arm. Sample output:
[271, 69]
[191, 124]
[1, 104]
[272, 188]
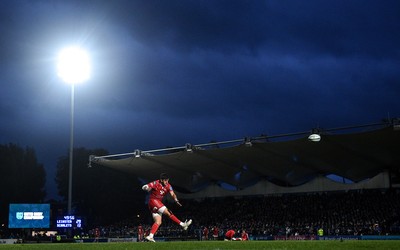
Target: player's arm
[173, 195]
[146, 187]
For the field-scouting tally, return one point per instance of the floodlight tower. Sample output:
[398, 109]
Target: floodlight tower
[73, 67]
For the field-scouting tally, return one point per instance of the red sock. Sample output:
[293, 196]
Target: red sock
[176, 220]
[154, 228]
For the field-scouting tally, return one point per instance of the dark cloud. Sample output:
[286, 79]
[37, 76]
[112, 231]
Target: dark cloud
[170, 72]
[333, 27]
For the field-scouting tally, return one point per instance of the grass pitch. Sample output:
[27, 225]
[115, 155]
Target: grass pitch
[214, 245]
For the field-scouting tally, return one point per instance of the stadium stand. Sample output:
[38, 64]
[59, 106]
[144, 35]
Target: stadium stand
[356, 212]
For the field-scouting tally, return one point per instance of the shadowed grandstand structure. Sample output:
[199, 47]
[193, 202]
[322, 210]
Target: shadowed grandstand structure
[283, 185]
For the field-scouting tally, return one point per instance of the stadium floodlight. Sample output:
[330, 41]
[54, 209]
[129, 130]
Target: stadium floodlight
[315, 135]
[138, 153]
[396, 124]
[189, 148]
[73, 67]
[247, 142]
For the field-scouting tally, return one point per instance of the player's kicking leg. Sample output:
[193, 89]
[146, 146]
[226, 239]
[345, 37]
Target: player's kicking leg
[186, 224]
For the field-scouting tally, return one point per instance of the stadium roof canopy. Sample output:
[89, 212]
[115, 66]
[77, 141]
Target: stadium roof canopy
[357, 155]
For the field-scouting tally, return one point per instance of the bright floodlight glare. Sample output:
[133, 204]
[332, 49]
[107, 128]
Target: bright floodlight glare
[73, 65]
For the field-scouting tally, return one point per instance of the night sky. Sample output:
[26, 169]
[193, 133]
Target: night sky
[166, 73]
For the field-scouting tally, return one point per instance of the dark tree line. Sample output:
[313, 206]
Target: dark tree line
[99, 194]
[22, 178]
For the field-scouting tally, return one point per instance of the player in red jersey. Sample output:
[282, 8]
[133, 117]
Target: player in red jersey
[205, 233]
[215, 233]
[229, 235]
[140, 233]
[158, 189]
[245, 236]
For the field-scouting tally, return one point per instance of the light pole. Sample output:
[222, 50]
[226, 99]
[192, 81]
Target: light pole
[73, 67]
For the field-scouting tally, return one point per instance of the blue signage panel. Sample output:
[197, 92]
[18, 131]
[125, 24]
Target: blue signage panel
[29, 216]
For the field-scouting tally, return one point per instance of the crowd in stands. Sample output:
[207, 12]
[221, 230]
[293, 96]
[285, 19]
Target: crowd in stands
[361, 212]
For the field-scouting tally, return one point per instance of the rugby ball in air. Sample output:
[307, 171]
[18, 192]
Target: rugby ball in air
[314, 137]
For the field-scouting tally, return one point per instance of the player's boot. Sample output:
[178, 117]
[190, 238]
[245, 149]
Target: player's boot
[151, 239]
[186, 224]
